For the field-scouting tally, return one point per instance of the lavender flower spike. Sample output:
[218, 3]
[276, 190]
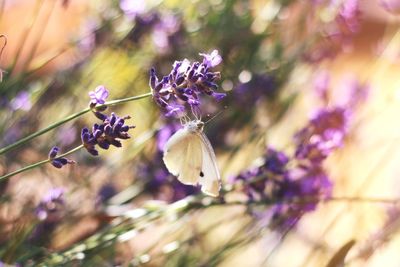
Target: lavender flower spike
[108, 133]
[211, 60]
[183, 87]
[99, 95]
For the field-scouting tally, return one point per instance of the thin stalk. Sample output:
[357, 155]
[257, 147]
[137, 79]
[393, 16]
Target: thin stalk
[66, 119]
[37, 164]
[39, 37]
[25, 34]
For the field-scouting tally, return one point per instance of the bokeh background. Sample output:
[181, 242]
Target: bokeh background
[282, 62]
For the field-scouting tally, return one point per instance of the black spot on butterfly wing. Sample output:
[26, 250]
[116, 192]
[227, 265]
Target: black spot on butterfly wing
[201, 174]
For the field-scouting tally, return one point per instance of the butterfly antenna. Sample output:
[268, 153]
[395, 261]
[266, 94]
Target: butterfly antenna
[185, 119]
[216, 115]
[195, 113]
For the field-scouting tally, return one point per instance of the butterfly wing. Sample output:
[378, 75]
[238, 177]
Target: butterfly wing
[209, 177]
[183, 156]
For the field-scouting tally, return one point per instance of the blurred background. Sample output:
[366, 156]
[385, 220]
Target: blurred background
[283, 63]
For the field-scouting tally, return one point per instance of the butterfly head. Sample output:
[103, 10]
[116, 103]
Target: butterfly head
[195, 126]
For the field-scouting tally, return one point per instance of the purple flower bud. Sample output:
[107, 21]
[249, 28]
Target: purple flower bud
[53, 152]
[58, 162]
[218, 96]
[100, 115]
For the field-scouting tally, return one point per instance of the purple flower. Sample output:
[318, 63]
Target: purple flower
[133, 8]
[165, 133]
[88, 42]
[49, 212]
[21, 101]
[51, 205]
[211, 60]
[99, 95]
[349, 13]
[324, 133]
[166, 27]
[260, 86]
[392, 6]
[184, 85]
[58, 162]
[108, 133]
[106, 192]
[292, 187]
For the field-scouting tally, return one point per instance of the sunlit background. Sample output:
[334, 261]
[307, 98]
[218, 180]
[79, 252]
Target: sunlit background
[282, 62]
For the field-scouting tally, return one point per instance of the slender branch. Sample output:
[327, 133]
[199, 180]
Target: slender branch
[37, 164]
[66, 119]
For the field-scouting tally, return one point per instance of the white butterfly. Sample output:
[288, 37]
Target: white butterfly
[189, 155]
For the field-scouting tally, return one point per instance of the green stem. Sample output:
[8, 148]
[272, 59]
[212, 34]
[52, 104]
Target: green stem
[37, 164]
[66, 119]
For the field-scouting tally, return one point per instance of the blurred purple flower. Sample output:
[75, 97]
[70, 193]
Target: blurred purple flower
[259, 86]
[184, 85]
[211, 60]
[392, 6]
[349, 14]
[324, 133]
[132, 8]
[99, 95]
[106, 192]
[49, 212]
[88, 42]
[293, 190]
[51, 205]
[165, 133]
[58, 162]
[162, 31]
[301, 192]
[21, 101]
[108, 133]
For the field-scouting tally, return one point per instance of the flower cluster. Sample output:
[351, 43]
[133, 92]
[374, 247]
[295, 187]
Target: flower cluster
[185, 83]
[293, 190]
[105, 134]
[60, 161]
[296, 184]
